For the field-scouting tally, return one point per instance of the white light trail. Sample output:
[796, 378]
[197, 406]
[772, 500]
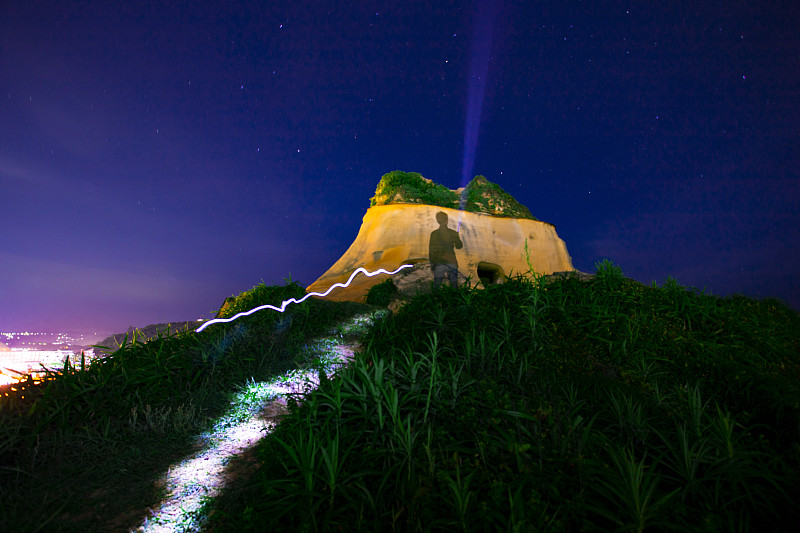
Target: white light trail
[282, 308]
[197, 480]
[194, 482]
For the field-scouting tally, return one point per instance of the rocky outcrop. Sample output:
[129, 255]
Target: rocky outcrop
[399, 233]
[112, 343]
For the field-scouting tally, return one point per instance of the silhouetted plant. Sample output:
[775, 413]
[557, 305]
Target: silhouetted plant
[382, 293]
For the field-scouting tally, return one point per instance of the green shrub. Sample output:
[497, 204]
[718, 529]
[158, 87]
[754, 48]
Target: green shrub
[382, 293]
[413, 188]
[259, 295]
[483, 196]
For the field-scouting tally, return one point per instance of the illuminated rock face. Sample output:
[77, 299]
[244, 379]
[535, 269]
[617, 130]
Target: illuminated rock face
[397, 234]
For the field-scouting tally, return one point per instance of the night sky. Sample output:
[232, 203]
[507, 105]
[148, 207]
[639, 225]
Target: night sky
[157, 157]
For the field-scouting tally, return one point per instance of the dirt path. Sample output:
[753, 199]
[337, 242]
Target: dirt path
[202, 476]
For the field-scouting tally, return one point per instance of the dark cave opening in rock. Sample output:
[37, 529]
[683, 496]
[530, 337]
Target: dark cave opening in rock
[490, 273]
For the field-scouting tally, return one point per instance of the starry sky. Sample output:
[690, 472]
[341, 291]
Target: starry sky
[157, 157]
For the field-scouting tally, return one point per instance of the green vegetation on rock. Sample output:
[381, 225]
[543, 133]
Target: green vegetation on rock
[479, 196]
[398, 187]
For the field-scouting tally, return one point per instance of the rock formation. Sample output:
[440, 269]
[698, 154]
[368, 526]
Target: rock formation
[113, 342]
[397, 230]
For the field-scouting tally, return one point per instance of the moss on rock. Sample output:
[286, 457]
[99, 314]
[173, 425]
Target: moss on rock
[479, 196]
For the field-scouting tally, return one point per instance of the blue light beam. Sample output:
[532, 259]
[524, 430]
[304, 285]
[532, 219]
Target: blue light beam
[483, 32]
[282, 308]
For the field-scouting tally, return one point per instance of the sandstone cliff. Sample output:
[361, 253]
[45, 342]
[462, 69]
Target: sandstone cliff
[397, 230]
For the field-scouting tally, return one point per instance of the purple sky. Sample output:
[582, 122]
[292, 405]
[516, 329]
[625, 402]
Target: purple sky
[156, 157]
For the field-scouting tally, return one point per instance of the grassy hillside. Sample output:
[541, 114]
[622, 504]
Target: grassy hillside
[575, 406]
[85, 450]
[528, 406]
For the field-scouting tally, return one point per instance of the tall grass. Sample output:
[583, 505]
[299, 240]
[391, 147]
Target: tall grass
[564, 406]
[93, 437]
[534, 405]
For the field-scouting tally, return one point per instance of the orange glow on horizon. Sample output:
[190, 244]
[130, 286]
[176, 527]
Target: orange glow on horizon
[8, 380]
